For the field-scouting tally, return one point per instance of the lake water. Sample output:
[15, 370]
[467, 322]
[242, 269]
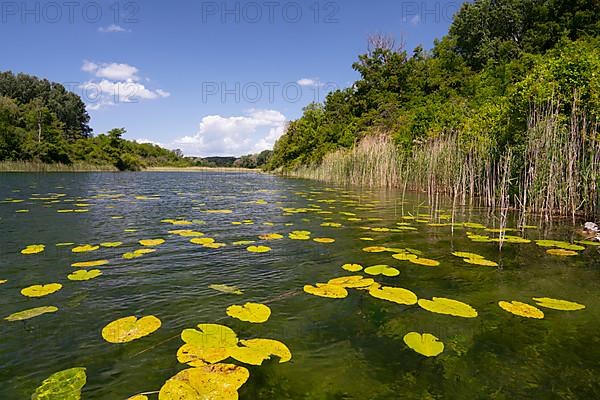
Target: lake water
[350, 348]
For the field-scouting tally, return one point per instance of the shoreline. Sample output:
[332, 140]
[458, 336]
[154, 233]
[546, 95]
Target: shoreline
[201, 169]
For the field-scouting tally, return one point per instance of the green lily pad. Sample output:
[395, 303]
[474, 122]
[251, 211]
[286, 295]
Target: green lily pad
[31, 313]
[63, 385]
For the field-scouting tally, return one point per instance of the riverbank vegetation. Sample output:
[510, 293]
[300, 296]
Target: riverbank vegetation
[499, 113]
[44, 127]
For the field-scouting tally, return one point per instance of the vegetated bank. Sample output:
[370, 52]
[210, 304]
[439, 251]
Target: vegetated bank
[497, 113]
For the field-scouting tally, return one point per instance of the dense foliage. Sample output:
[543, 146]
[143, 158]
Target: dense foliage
[480, 82]
[42, 121]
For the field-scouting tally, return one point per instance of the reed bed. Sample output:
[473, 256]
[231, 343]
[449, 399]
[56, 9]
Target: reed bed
[33, 166]
[555, 172]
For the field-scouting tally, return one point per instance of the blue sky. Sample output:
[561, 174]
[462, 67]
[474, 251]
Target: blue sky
[210, 78]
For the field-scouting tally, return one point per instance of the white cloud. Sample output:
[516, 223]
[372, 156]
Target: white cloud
[113, 28]
[119, 84]
[143, 140]
[253, 132]
[307, 82]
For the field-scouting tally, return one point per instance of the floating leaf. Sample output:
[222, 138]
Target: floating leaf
[521, 309]
[214, 245]
[560, 244]
[41, 290]
[151, 242]
[226, 289]
[258, 249]
[556, 304]
[352, 267]
[394, 294]
[32, 312]
[86, 264]
[443, 305]
[326, 290]
[111, 244]
[382, 269]
[33, 249]
[130, 328]
[481, 261]
[243, 242]
[3, 281]
[138, 397]
[255, 351]
[63, 385]
[355, 282]
[271, 236]
[83, 275]
[464, 254]
[209, 382]
[202, 241]
[561, 252]
[375, 249]
[324, 240]
[425, 344]
[84, 248]
[424, 261]
[405, 256]
[210, 343]
[250, 312]
[294, 236]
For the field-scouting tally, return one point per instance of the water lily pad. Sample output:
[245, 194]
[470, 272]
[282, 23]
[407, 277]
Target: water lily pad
[394, 294]
[352, 267]
[464, 254]
[556, 304]
[33, 249]
[111, 244]
[138, 397]
[41, 290]
[83, 275]
[3, 281]
[480, 261]
[202, 241]
[446, 306]
[87, 264]
[294, 236]
[425, 261]
[324, 240]
[84, 248]
[130, 328]
[355, 281]
[255, 351]
[521, 309]
[63, 385]
[375, 249]
[210, 343]
[258, 249]
[226, 289]
[425, 344]
[151, 242]
[250, 312]
[270, 236]
[209, 382]
[405, 256]
[561, 252]
[31, 313]
[382, 269]
[560, 244]
[326, 290]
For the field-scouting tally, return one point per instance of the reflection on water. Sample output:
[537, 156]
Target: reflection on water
[348, 348]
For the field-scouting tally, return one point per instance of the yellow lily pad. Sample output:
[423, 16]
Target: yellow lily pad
[424, 261]
[270, 236]
[355, 282]
[561, 252]
[294, 236]
[443, 305]
[464, 254]
[521, 309]
[258, 249]
[326, 290]
[425, 344]
[374, 249]
[83, 275]
[63, 385]
[405, 256]
[210, 343]
[32, 312]
[324, 240]
[111, 244]
[352, 267]
[394, 294]
[86, 264]
[151, 242]
[84, 248]
[481, 261]
[41, 290]
[130, 328]
[556, 304]
[3, 281]
[226, 289]
[382, 269]
[250, 312]
[255, 351]
[202, 240]
[208, 382]
[33, 249]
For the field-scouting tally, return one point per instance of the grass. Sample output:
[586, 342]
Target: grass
[34, 166]
[557, 172]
